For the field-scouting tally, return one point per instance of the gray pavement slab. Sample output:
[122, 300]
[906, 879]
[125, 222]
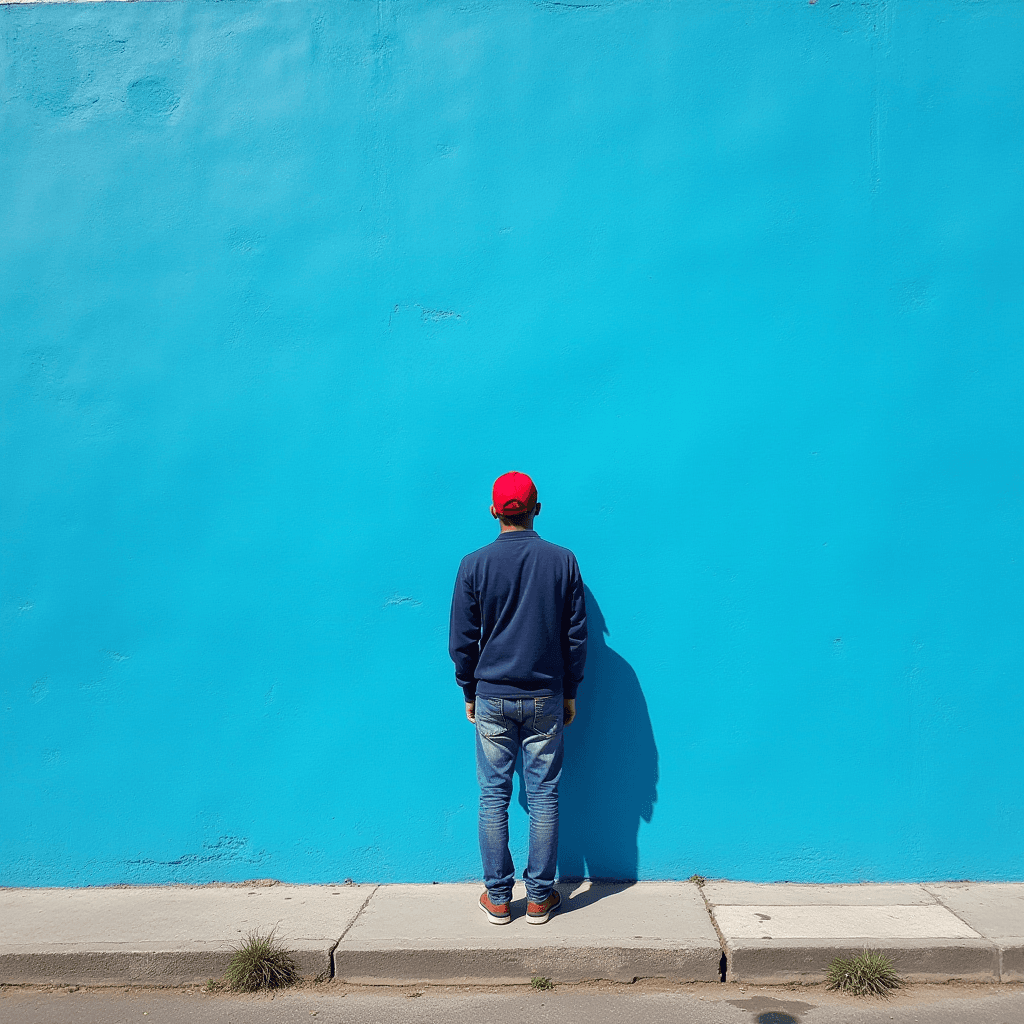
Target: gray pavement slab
[781, 894]
[164, 935]
[995, 910]
[841, 922]
[614, 932]
[794, 932]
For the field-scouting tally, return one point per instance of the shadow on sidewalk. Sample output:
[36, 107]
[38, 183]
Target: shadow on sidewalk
[610, 776]
[572, 896]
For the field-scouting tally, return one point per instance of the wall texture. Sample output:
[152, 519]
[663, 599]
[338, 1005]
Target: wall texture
[285, 285]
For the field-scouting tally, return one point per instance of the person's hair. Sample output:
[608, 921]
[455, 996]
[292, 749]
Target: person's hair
[519, 520]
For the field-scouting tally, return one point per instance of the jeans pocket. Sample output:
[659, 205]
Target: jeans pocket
[547, 715]
[490, 721]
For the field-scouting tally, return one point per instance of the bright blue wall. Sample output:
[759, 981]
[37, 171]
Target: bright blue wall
[284, 285]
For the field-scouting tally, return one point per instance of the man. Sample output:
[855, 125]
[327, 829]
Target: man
[519, 642]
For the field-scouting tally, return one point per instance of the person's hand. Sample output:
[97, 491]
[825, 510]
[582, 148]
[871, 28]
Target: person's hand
[568, 710]
[471, 711]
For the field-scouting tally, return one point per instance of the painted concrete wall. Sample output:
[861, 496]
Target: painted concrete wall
[285, 285]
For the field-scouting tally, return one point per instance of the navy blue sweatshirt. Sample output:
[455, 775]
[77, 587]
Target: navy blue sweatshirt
[519, 622]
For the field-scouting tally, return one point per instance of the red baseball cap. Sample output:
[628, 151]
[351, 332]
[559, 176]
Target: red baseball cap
[514, 494]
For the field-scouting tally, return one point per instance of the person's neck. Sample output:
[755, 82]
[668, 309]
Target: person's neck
[509, 528]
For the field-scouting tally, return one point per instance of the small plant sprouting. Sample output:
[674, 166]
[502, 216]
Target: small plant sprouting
[697, 880]
[867, 974]
[542, 984]
[260, 963]
[211, 985]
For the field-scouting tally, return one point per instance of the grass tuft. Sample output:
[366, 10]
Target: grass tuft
[260, 963]
[697, 879]
[542, 984]
[866, 974]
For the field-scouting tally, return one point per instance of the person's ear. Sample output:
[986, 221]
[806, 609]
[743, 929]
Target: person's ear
[494, 512]
[536, 509]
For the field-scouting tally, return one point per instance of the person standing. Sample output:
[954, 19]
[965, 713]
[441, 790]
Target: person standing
[518, 638]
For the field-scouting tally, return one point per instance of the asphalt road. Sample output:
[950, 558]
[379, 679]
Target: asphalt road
[637, 1004]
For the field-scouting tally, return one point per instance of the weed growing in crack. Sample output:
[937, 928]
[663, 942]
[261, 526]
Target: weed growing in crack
[260, 963]
[867, 974]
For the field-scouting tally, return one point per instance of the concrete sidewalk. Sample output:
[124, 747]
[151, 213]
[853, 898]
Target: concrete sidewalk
[786, 932]
[435, 933]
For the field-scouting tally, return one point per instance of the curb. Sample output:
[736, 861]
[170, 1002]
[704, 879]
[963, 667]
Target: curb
[119, 967]
[518, 965]
[806, 961]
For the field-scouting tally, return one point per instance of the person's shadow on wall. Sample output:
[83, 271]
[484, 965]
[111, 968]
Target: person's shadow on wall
[610, 774]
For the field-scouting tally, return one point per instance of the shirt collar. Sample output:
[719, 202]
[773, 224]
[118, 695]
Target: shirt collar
[509, 534]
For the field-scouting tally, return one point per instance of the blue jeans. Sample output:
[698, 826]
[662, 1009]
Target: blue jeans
[503, 727]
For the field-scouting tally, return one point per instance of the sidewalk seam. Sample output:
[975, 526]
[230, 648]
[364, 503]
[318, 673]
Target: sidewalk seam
[724, 966]
[348, 928]
[995, 945]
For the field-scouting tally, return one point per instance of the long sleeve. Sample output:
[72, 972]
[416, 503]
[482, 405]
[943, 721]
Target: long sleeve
[576, 646]
[464, 634]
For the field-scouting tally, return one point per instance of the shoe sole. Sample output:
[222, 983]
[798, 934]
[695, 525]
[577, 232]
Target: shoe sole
[542, 918]
[493, 918]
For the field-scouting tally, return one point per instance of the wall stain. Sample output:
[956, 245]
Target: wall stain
[246, 243]
[880, 36]
[558, 7]
[152, 97]
[437, 315]
[226, 850]
[427, 315]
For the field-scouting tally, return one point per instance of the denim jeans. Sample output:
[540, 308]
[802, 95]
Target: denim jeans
[503, 727]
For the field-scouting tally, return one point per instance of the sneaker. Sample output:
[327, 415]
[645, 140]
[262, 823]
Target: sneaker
[496, 913]
[538, 913]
